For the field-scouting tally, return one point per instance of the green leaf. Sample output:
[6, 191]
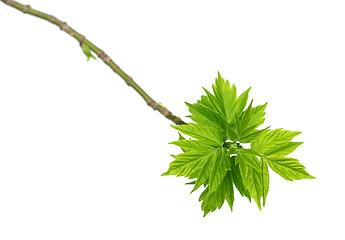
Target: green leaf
[231, 133]
[210, 202]
[187, 163]
[202, 114]
[276, 143]
[229, 189]
[247, 115]
[238, 126]
[243, 167]
[206, 134]
[214, 200]
[250, 151]
[206, 170]
[191, 183]
[258, 114]
[226, 96]
[240, 104]
[281, 150]
[224, 100]
[206, 102]
[238, 181]
[248, 122]
[190, 145]
[250, 160]
[265, 179]
[253, 183]
[180, 137]
[220, 166]
[270, 140]
[87, 52]
[216, 105]
[288, 168]
[250, 133]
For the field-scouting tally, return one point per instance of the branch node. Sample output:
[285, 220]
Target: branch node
[106, 59]
[64, 27]
[26, 9]
[164, 111]
[81, 40]
[152, 103]
[129, 80]
[115, 67]
[177, 120]
[53, 20]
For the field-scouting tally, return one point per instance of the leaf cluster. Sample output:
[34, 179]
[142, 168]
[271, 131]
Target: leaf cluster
[215, 156]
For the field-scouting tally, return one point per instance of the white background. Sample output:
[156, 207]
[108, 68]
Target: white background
[81, 153]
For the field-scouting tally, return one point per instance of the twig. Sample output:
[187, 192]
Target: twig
[100, 53]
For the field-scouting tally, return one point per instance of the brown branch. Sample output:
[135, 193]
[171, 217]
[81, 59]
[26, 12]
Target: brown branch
[26, 9]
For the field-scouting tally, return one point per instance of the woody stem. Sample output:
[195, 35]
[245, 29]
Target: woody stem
[26, 9]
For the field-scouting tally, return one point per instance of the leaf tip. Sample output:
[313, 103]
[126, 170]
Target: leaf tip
[310, 177]
[205, 213]
[219, 76]
[188, 104]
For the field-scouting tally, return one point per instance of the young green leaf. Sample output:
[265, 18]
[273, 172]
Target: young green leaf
[215, 104]
[232, 134]
[206, 116]
[226, 96]
[190, 145]
[265, 180]
[205, 134]
[238, 181]
[288, 168]
[206, 170]
[87, 52]
[271, 140]
[253, 183]
[220, 166]
[214, 200]
[249, 160]
[240, 104]
[258, 114]
[281, 150]
[185, 164]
